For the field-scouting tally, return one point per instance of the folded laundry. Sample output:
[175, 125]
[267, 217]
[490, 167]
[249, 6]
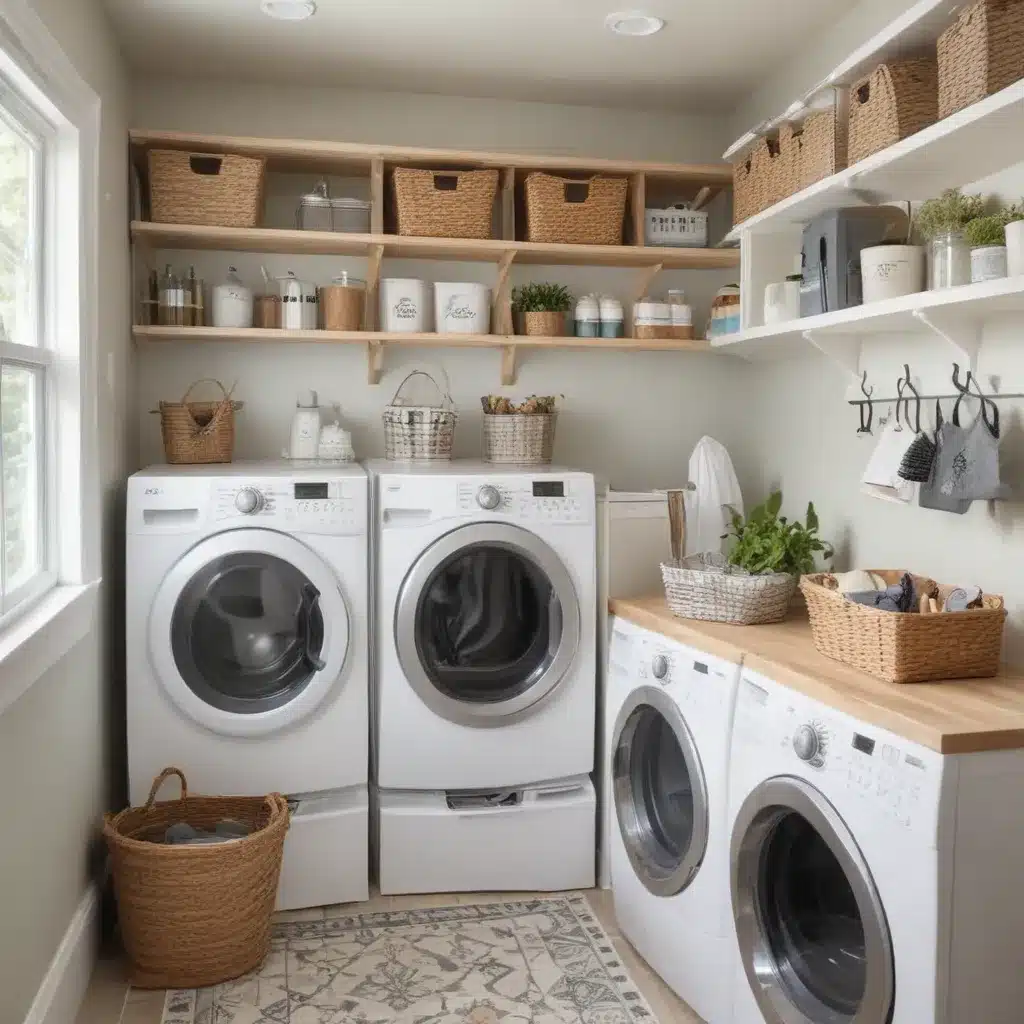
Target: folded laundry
[900, 597]
[183, 834]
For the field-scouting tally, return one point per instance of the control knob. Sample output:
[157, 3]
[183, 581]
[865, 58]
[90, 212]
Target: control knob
[248, 501]
[488, 497]
[660, 667]
[809, 744]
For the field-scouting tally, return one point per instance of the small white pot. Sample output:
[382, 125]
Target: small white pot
[988, 263]
[781, 302]
[462, 308]
[404, 303]
[1015, 249]
[889, 271]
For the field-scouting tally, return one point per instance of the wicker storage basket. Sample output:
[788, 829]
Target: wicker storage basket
[193, 916]
[218, 189]
[905, 648]
[575, 212]
[419, 433]
[762, 178]
[746, 195]
[981, 53]
[541, 323]
[893, 102]
[819, 145]
[199, 432]
[445, 204]
[705, 587]
[527, 439]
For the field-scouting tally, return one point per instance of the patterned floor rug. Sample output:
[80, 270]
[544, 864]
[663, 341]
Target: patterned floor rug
[539, 961]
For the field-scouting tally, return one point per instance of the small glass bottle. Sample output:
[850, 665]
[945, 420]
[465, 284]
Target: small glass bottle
[949, 261]
[167, 297]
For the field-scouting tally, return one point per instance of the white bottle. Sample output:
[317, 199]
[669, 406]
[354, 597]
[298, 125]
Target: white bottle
[305, 439]
[232, 302]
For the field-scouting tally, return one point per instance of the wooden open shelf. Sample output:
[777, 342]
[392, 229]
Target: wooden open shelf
[377, 341]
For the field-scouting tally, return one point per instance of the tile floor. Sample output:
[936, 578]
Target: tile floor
[109, 1001]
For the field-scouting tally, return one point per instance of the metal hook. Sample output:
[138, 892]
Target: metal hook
[965, 392]
[865, 423]
[905, 383]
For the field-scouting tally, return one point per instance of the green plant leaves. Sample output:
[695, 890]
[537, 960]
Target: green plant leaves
[767, 542]
[540, 297]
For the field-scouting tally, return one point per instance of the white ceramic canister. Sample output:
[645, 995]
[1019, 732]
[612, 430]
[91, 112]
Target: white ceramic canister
[988, 263]
[403, 305]
[462, 307]
[1015, 248]
[782, 300]
[298, 303]
[889, 271]
[232, 302]
[587, 317]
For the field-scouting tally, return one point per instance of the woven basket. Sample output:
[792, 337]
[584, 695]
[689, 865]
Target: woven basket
[819, 145]
[527, 439]
[573, 211]
[218, 189]
[893, 102]
[981, 53]
[445, 204]
[419, 433]
[541, 323]
[703, 587]
[745, 189]
[763, 177]
[193, 916]
[905, 648]
[199, 432]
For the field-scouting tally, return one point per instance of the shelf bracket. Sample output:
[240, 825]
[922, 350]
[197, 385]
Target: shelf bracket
[374, 361]
[843, 349]
[964, 336]
[501, 306]
[508, 364]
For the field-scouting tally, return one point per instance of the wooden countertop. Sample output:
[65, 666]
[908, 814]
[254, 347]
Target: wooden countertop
[949, 717]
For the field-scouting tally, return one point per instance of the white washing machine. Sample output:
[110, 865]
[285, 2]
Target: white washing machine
[872, 879]
[669, 719]
[485, 676]
[247, 651]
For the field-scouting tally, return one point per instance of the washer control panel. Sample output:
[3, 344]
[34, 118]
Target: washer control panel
[315, 506]
[535, 500]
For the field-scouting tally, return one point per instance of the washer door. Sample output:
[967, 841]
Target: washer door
[248, 632]
[487, 624]
[661, 797]
[812, 932]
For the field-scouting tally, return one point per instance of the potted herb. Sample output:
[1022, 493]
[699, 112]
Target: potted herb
[540, 308]
[1015, 240]
[942, 221]
[766, 542]
[987, 238]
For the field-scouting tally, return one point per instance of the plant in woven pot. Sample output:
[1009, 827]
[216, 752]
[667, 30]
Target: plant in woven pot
[540, 308]
[766, 542]
[942, 221]
[987, 238]
[1015, 240]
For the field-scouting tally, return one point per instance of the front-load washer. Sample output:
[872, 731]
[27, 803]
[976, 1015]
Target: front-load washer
[247, 619]
[485, 668]
[872, 879]
[669, 718]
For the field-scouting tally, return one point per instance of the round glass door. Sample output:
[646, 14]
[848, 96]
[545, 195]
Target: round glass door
[249, 632]
[813, 937]
[660, 792]
[487, 623]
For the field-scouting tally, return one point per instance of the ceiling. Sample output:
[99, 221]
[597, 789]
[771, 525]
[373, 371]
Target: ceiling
[709, 56]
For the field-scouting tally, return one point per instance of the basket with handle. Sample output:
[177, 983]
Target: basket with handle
[905, 647]
[195, 915]
[895, 101]
[420, 433]
[445, 204]
[573, 211]
[199, 432]
[218, 189]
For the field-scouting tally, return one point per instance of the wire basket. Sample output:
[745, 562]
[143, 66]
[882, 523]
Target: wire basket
[420, 433]
[527, 439]
[193, 916]
[197, 433]
[219, 189]
[706, 587]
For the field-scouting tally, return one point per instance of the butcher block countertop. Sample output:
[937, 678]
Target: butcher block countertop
[950, 717]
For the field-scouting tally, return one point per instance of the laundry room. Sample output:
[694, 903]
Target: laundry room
[512, 511]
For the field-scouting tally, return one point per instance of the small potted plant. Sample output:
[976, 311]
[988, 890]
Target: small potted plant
[1015, 240]
[767, 542]
[942, 221]
[987, 238]
[541, 308]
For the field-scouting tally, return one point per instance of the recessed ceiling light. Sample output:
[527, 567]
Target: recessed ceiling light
[288, 10]
[634, 23]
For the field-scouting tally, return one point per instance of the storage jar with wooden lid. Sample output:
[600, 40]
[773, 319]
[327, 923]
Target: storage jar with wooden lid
[342, 302]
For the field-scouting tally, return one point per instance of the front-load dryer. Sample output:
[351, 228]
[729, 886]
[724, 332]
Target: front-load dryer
[485, 675]
[669, 715]
[247, 651]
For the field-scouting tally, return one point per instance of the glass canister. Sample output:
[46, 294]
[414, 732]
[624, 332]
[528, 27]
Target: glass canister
[949, 261]
[342, 303]
[681, 314]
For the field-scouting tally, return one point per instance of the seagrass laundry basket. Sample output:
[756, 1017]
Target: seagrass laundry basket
[706, 587]
[895, 101]
[575, 211]
[195, 915]
[527, 439]
[218, 189]
[445, 204]
[419, 433]
[819, 145]
[905, 647]
[199, 432]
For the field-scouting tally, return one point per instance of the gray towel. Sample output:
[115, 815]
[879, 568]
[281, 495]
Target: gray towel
[900, 597]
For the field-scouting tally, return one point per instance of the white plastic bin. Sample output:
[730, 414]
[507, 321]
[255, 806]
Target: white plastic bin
[462, 308]
[404, 305]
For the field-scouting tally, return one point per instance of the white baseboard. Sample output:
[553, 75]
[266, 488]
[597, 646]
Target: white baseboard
[63, 988]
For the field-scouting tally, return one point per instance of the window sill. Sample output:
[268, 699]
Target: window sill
[37, 640]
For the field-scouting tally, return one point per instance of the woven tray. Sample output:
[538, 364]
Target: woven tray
[893, 102]
[704, 587]
[445, 204]
[576, 212]
[905, 648]
[218, 189]
[192, 916]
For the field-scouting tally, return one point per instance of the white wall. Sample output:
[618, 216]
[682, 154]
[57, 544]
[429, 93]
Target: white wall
[56, 742]
[630, 418]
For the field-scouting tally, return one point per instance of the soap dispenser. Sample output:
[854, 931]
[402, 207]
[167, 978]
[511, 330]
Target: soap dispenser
[305, 438]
